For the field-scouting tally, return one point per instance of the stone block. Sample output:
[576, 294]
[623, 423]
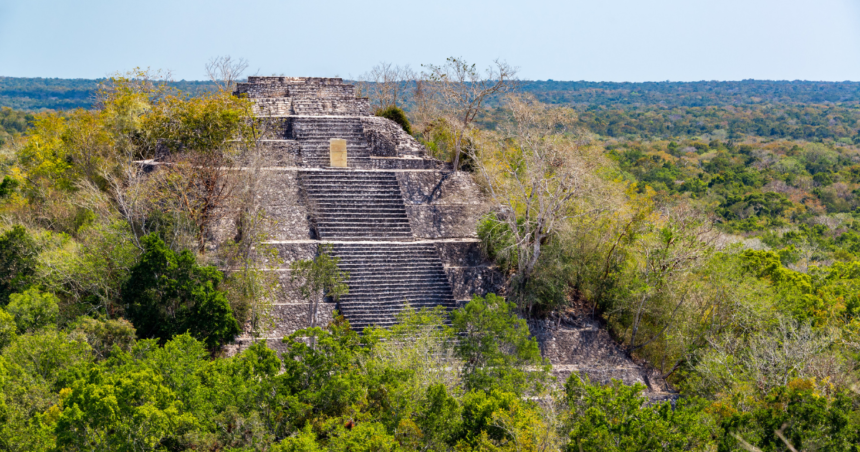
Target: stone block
[439, 188]
[275, 153]
[461, 253]
[295, 316]
[469, 281]
[288, 222]
[388, 139]
[396, 163]
[279, 188]
[275, 106]
[289, 252]
[288, 290]
[337, 152]
[444, 221]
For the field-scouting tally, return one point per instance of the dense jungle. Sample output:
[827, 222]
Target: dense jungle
[712, 227]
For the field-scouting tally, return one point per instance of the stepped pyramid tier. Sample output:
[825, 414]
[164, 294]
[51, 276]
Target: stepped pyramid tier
[314, 96]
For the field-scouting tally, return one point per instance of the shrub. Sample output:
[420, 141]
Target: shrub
[8, 186]
[617, 417]
[104, 336]
[397, 115]
[799, 415]
[497, 347]
[17, 262]
[33, 310]
[7, 329]
[169, 294]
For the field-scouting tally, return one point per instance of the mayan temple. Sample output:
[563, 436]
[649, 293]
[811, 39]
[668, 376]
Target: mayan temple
[402, 223]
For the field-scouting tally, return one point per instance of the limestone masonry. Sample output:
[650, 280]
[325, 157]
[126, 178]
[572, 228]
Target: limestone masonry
[402, 223]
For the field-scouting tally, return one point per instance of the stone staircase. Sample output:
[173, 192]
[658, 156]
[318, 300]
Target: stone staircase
[360, 209]
[314, 134]
[356, 205]
[387, 268]
[384, 277]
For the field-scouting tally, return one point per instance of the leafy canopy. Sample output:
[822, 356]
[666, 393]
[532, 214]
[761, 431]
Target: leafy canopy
[17, 261]
[167, 294]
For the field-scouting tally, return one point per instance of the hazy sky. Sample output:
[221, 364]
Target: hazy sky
[611, 40]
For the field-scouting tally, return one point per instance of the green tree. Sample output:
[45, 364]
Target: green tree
[8, 329]
[497, 348]
[796, 415]
[397, 115]
[403, 365]
[17, 262]
[319, 277]
[105, 336]
[8, 186]
[88, 271]
[360, 437]
[127, 411]
[440, 419]
[33, 310]
[363, 437]
[36, 365]
[322, 380]
[303, 441]
[477, 415]
[167, 293]
[618, 418]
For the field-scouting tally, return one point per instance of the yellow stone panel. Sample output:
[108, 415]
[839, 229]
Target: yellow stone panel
[337, 152]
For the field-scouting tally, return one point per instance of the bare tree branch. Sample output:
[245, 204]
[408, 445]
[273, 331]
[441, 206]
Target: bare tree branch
[463, 90]
[224, 71]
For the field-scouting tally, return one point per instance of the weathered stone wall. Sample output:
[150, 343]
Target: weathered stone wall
[438, 221]
[387, 139]
[330, 107]
[277, 153]
[575, 342]
[275, 128]
[468, 270]
[280, 197]
[270, 87]
[290, 310]
[303, 96]
[275, 106]
[442, 204]
[290, 318]
[410, 163]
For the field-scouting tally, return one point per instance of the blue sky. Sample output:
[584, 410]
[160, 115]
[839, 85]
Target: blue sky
[608, 40]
